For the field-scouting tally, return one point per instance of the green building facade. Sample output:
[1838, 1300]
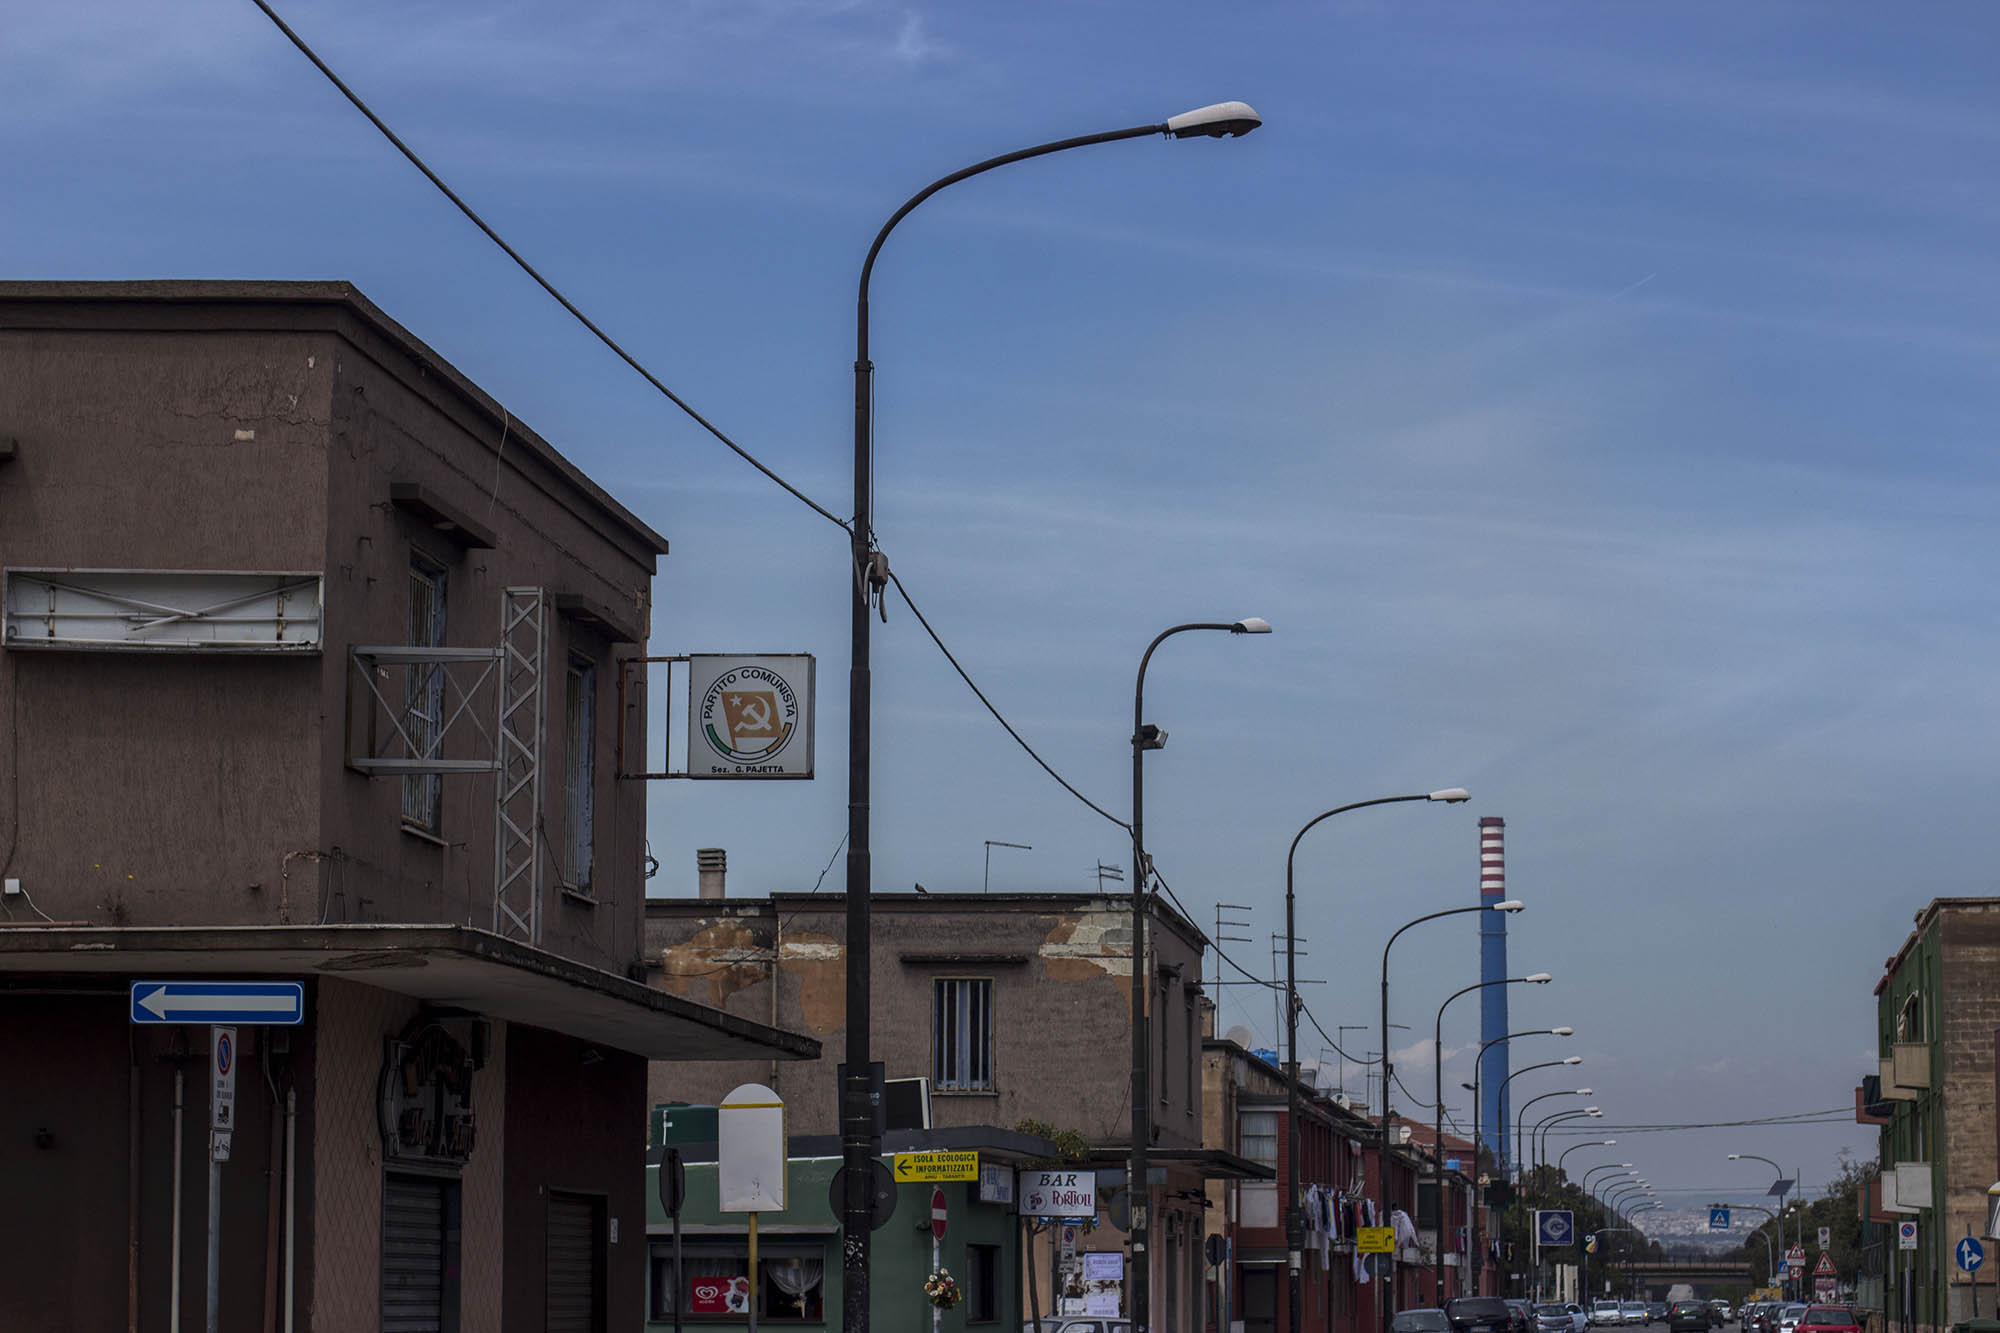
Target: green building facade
[799, 1252]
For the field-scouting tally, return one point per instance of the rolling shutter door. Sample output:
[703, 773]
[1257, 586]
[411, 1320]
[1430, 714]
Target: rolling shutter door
[575, 1276]
[413, 1218]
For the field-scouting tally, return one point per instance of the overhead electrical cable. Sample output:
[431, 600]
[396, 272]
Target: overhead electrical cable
[534, 273]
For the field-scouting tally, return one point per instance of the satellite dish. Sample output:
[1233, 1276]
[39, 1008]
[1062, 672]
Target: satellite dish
[1240, 1035]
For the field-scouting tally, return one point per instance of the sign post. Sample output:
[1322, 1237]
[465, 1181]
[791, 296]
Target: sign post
[938, 1211]
[224, 1005]
[750, 1163]
[221, 1125]
[1971, 1254]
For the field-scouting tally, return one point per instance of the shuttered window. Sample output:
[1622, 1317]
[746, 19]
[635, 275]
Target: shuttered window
[419, 1255]
[575, 1264]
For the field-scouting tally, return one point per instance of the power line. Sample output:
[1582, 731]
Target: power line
[541, 281]
[981, 696]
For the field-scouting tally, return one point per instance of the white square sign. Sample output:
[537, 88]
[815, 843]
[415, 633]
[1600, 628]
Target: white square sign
[1058, 1193]
[750, 717]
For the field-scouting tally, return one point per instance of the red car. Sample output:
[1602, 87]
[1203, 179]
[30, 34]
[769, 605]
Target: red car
[1829, 1319]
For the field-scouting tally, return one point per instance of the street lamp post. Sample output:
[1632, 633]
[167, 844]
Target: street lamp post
[1386, 1299]
[1137, 1192]
[1478, 1190]
[1770, 1254]
[1600, 1143]
[1437, 1127]
[1528, 1069]
[1538, 1134]
[1521, 1141]
[1607, 1166]
[1776, 1182]
[869, 575]
[1295, 1230]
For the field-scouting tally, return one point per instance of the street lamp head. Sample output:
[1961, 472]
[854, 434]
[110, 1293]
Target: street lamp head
[1583, 1092]
[1562, 1032]
[1450, 795]
[1543, 979]
[1608, 1143]
[1511, 905]
[1223, 120]
[1249, 624]
[1592, 1110]
[1736, 1157]
[1572, 1059]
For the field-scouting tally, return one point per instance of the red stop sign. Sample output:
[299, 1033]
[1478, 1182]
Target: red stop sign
[937, 1214]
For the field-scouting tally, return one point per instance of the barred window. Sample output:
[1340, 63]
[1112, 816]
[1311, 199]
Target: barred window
[962, 1034]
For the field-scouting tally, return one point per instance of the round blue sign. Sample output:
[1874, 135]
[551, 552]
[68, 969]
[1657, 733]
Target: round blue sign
[1971, 1254]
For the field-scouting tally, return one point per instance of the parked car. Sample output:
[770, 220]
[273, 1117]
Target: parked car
[1079, 1324]
[1759, 1317]
[1688, 1317]
[1524, 1313]
[1480, 1314]
[1420, 1321]
[1551, 1317]
[1605, 1313]
[1830, 1319]
[1789, 1317]
[1721, 1309]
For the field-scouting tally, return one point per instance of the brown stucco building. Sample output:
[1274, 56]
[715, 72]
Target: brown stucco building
[310, 674]
[1013, 1006]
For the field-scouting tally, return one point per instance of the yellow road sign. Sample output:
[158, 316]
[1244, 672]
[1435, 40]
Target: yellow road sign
[937, 1166]
[1375, 1240]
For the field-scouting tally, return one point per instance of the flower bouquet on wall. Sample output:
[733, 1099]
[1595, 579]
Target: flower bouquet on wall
[942, 1290]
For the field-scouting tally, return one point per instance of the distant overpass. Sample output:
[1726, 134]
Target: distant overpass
[1707, 1272]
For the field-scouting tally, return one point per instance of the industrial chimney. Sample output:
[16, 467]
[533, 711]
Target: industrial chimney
[711, 864]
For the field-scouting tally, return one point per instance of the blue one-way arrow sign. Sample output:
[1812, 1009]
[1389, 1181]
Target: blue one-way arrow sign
[245, 1002]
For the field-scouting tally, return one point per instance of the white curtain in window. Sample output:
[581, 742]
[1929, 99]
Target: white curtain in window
[795, 1277]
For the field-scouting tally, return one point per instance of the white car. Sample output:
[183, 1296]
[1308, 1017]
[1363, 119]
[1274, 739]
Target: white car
[1605, 1314]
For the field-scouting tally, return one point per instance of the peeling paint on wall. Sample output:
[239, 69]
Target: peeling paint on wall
[818, 965]
[715, 963]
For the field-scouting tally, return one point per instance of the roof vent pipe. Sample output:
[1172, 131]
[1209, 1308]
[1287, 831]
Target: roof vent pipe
[711, 864]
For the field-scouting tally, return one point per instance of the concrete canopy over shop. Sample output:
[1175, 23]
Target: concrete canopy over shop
[455, 966]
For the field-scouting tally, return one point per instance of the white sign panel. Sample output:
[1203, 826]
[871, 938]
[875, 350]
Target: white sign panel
[996, 1184]
[1058, 1193]
[162, 610]
[222, 1071]
[1104, 1266]
[750, 717]
[750, 1151]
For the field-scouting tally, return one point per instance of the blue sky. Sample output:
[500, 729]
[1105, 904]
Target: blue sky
[1596, 398]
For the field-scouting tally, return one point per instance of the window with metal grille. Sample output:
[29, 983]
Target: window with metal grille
[579, 775]
[962, 1034]
[423, 696]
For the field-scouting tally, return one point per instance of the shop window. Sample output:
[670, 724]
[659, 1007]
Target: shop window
[715, 1281]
